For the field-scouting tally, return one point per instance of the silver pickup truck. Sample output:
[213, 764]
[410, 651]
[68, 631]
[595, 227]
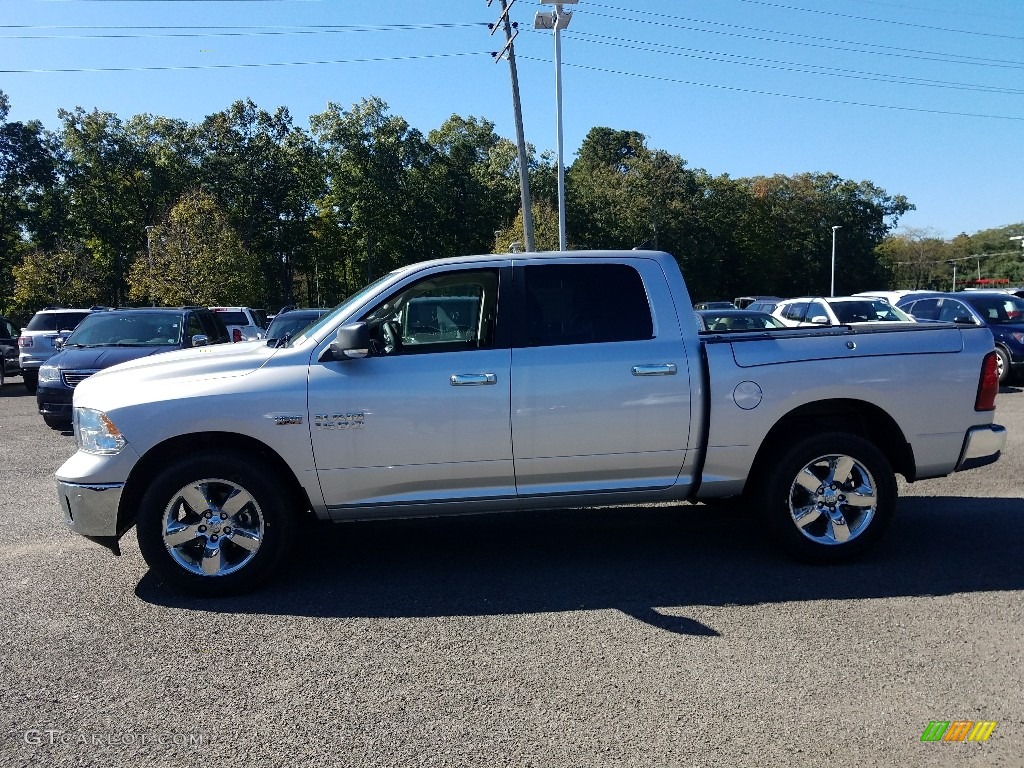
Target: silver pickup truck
[517, 381]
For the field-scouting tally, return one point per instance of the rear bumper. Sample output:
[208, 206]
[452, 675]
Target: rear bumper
[982, 446]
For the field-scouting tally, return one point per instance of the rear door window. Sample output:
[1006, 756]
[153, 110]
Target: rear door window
[583, 304]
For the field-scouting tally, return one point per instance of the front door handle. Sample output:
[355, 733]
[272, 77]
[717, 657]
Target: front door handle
[654, 369]
[473, 379]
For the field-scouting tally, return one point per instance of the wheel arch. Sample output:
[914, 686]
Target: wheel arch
[840, 415]
[163, 453]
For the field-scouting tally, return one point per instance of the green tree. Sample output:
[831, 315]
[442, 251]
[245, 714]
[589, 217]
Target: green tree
[65, 276]
[109, 179]
[373, 210]
[30, 204]
[196, 257]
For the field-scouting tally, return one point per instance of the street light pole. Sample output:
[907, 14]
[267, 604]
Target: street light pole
[557, 20]
[832, 291]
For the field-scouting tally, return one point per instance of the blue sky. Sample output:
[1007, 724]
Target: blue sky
[924, 98]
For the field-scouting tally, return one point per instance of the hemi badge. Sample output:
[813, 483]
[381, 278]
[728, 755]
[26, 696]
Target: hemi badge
[283, 421]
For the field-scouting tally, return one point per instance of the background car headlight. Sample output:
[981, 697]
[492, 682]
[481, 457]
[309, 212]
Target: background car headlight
[49, 373]
[96, 433]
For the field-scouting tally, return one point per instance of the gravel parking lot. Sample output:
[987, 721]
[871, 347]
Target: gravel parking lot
[644, 636]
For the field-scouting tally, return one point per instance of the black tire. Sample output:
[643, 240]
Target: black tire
[829, 497]
[1003, 365]
[3, 373]
[31, 379]
[201, 550]
[56, 422]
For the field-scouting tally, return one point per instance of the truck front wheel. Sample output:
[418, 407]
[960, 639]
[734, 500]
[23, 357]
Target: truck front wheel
[211, 525]
[829, 497]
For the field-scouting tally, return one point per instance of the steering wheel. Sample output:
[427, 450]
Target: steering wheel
[392, 333]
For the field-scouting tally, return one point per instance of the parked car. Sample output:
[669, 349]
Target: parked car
[764, 305]
[243, 323]
[38, 340]
[289, 323]
[838, 310]
[714, 305]
[893, 297]
[745, 302]
[1002, 313]
[105, 339]
[722, 320]
[9, 365]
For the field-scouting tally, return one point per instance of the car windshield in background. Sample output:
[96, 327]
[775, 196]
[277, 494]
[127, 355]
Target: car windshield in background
[868, 312]
[290, 323]
[998, 310]
[149, 329]
[738, 320]
[233, 318]
[55, 321]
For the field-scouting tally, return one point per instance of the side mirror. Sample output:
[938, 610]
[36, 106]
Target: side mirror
[58, 343]
[819, 320]
[964, 320]
[200, 340]
[352, 341]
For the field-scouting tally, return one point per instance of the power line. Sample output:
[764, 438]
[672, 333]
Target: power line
[878, 21]
[222, 31]
[882, 50]
[786, 66]
[820, 99]
[244, 66]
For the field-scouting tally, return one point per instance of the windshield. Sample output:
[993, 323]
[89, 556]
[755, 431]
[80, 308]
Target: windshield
[232, 318]
[352, 300]
[998, 310]
[868, 311]
[55, 321]
[134, 329]
[290, 323]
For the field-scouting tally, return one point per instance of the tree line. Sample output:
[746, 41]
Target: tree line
[246, 207]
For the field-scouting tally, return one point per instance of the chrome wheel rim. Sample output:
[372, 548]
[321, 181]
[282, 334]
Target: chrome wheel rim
[833, 499]
[1000, 366]
[212, 527]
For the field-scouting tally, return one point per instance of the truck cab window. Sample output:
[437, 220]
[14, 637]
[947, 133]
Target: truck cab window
[584, 304]
[443, 313]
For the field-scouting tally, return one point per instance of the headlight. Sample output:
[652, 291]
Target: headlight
[49, 373]
[96, 433]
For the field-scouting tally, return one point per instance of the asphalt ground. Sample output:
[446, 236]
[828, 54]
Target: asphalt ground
[671, 635]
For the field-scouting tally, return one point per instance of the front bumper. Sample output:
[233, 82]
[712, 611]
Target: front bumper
[982, 446]
[55, 401]
[90, 509]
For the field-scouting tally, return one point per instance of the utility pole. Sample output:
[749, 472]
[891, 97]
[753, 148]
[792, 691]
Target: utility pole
[524, 171]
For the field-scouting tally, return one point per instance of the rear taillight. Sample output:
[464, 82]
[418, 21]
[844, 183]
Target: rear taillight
[988, 386]
[24, 341]
[236, 335]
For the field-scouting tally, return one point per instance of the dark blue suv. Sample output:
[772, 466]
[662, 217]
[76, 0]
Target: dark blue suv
[1002, 313]
[104, 339]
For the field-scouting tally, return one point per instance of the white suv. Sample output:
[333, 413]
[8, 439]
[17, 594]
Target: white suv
[38, 340]
[243, 323]
[838, 310]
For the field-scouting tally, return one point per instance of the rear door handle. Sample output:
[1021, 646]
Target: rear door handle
[473, 379]
[654, 369]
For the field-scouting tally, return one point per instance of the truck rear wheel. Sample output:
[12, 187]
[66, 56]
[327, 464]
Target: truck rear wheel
[829, 497]
[211, 525]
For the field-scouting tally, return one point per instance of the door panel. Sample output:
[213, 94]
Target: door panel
[395, 429]
[425, 417]
[596, 415]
